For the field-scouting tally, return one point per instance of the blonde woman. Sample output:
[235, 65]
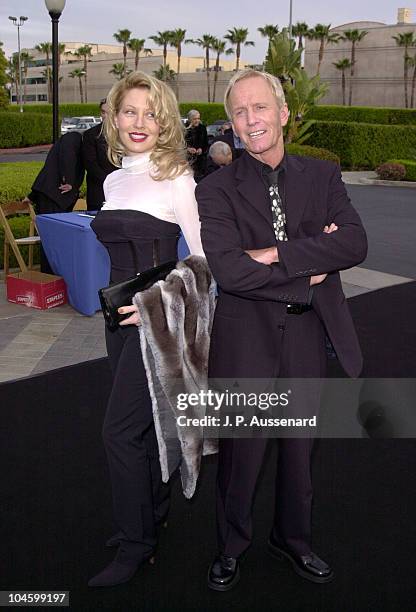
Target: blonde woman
[147, 202]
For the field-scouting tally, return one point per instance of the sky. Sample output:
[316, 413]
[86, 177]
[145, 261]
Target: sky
[95, 21]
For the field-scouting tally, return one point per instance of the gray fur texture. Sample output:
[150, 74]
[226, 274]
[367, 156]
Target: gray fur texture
[176, 319]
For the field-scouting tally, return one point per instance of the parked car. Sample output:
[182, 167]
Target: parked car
[215, 129]
[73, 123]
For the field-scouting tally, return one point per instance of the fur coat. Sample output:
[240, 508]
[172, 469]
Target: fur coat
[176, 317]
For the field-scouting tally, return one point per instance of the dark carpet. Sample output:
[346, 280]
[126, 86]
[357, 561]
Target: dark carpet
[56, 507]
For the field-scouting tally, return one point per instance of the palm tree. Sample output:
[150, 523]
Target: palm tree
[117, 70]
[13, 74]
[177, 37]
[412, 98]
[84, 53]
[137, 45]
[406, 40]
[165, 73]
[354, 37]
[162, 39]
[206, 42]
[282, 57]
[342, 65]
[219, 47]
[123, 37]
[25, 59]
[61, 52]
[321, 32]
[269, 31]
[46, 48]
[238, 37]
[79, 74]
[300, 30]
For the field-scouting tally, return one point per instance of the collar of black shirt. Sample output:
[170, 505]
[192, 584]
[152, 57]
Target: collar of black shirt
[263, 169]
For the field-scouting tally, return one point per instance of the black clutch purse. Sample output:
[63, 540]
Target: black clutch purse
[121, 294]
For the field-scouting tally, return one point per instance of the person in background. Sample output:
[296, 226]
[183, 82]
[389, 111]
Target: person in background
[228, 136]
[197, 144]
[56, 188]
[96, 162]
[219, 155]
[148, 201]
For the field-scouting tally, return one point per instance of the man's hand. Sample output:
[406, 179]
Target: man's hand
[264, 256]
[65, 188]
[134, 319]
[328, 229]
[317, 280]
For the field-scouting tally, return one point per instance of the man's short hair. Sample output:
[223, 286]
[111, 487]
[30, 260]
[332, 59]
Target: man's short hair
[219, 148]
[275, 86]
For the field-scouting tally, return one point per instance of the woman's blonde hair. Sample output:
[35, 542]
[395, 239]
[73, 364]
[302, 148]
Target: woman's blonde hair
[169, 153]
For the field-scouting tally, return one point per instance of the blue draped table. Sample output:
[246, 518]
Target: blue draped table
[74, 253]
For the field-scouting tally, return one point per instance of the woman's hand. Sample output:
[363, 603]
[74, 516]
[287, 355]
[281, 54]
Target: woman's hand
[134, 319]
[192, 150]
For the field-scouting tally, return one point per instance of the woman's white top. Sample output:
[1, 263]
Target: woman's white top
[132, 188]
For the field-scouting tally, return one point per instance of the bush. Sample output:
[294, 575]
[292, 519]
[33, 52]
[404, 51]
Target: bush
[65, 110]
[363, 114]
[363, 145]
[20, 228]
[409, 165]
[209, 112]
[16, 180]
[391, 172]
[315, 152]
[21, 130]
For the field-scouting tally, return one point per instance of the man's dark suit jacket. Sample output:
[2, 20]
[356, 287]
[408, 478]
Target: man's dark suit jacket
[62, 165]
[97, 165]
[252, 300]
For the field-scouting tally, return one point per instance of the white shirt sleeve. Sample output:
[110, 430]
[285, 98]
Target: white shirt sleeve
[185, 208]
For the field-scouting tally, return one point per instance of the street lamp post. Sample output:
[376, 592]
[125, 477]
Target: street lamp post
[290, 19]
[55, 8]
[19, 24]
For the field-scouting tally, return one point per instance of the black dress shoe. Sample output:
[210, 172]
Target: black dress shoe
[309, 566]
[224, 573]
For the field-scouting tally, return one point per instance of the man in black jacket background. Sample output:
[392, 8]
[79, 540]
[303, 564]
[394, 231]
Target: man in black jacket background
[96, 162]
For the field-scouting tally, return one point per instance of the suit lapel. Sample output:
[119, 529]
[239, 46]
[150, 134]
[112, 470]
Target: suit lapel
[251, 187]
[298, 189]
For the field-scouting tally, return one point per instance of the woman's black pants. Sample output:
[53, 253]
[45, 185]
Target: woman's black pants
[140, 499]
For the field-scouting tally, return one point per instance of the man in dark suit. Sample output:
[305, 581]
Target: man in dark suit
[229, 137]
[56, 188]
[276, 229]
[96, 162]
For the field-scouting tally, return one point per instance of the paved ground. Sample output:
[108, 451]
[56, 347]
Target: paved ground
[33, 341]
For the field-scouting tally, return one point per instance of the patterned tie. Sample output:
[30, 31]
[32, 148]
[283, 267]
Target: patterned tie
[279, 217]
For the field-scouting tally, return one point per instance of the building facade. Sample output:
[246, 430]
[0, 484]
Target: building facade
[378, 78]
[192, 79]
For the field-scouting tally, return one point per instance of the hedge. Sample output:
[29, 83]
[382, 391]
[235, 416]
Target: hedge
[409, 165]
[21, 130]
[16, 180]
[209, 112]
[364, 114]
[20, 228]
[315, 152]
[65, 110]
[364, 145]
